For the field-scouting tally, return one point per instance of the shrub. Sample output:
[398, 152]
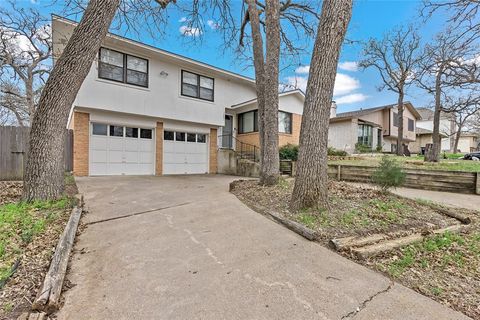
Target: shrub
[362, 148]
[289, 152]
[334, 152]
[389, 174]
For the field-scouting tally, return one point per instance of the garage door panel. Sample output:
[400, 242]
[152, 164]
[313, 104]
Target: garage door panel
[115, 168]
[99, 156]
[115, 156]
[145, 158]
[115, 144]
[121, 155]
[183, 157]
[98, 143]
[131, 156]
[131, 145]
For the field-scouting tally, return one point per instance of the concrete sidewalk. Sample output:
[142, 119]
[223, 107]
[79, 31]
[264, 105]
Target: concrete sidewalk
[185, 248]
[468, 201]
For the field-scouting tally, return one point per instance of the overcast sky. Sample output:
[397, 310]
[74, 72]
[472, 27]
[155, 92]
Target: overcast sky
[354, 88]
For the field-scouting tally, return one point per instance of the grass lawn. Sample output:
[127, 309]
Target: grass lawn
[417, 162]
[28, 235]
[445, 267]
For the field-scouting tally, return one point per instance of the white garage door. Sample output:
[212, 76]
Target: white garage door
[184, 152]
[121, 150]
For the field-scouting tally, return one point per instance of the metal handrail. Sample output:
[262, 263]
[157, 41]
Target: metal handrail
[246, 149]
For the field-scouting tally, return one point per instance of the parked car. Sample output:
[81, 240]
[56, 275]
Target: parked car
[472, 156]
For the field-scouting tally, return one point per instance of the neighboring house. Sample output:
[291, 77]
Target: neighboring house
[376, 128]
[447, 128]
[468, 143]
[424, 137]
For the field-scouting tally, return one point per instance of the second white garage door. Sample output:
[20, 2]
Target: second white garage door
[185, 152]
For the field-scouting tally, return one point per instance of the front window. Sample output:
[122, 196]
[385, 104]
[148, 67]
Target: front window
[411, 125]
[365, 132]
[248, 122]
[395, 119]
[197, 86]
[120, 67]
[284, 122]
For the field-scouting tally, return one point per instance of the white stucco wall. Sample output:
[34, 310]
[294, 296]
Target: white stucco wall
[343, 135]
[162, 99]
[446, 128]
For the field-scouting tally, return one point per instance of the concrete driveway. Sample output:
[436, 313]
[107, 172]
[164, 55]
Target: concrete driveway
[183, 247]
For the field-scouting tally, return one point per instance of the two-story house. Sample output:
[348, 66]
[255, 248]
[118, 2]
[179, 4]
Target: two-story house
[447, 130]
[375, 128]
[143, 110]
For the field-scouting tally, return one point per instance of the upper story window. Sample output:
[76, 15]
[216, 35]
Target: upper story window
[121, 67]
[284, 122]
[197, 86]
[395, 119]
[411, 125]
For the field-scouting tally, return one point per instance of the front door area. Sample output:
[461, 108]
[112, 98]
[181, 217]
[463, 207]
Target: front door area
[227, 140]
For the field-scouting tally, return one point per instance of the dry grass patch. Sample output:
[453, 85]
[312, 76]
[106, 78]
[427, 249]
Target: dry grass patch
[445, 267]
[28, 235]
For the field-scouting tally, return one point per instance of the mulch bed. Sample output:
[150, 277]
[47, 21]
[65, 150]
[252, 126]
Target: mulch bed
[444, 267]
[21, 288]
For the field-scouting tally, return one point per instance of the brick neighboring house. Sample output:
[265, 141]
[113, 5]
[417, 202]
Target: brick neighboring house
[374, 127]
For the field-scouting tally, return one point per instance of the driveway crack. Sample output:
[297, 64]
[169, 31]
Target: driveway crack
[365, 302]
[137, 213]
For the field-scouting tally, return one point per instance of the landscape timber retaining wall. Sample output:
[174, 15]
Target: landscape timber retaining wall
[437, 180]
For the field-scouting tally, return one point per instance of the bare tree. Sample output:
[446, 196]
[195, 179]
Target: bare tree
[449, 64]
[25, 50]
[463, 108]
[395, 57]
[311, 189]
[43, 178]
[269, 15]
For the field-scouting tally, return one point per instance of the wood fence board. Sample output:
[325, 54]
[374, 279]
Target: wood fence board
[14, 150]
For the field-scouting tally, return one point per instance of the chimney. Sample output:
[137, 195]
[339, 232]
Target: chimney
[333, 110]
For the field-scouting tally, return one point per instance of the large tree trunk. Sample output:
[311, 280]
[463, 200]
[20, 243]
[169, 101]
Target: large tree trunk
[269, 171]
[43, 177]
[400, 107]
[310, 188]
[259, 65]
[433, 155]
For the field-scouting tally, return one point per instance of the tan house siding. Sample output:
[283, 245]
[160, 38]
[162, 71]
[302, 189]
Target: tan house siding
[159, 149]
[81, 127]
[213, 151]
[421, 141]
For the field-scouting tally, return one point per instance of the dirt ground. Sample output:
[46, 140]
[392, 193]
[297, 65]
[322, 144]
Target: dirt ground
[19, 291]
[445, 267]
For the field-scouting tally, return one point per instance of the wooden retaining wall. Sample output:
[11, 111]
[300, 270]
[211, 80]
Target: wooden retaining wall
[14, 149]
[437, 180]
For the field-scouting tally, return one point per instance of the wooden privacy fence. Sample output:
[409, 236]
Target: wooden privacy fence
[438, 180]
[14, 150]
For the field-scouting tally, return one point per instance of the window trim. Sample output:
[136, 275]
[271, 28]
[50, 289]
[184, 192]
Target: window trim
[255, 123]
[413, 125]
[198, 86]
[398, 119]
[124, 68]
[291, 122]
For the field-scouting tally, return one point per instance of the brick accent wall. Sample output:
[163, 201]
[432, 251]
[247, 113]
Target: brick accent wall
[213, 151]
[283, 138]
[81, 129]
[159, 149]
